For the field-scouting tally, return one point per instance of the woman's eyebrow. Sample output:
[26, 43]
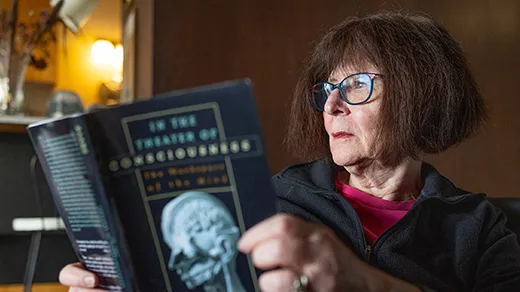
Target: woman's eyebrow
[334, 80]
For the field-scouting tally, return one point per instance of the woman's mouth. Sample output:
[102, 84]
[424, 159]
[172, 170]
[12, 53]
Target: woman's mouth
[341, 135]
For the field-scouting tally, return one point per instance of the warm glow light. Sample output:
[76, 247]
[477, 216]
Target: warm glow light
[108, 58]
[103, 52]
[118, 57]
[117, 62]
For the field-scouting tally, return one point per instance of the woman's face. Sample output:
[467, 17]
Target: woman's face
[352, 129]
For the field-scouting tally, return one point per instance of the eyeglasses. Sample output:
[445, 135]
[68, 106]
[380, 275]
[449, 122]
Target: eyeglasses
[354, 89]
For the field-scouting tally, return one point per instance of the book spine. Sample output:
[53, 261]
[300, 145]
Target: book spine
[65, 151]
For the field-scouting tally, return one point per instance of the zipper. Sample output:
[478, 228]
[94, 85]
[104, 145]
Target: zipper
[369, 249]
[368, 252]
[420, 201]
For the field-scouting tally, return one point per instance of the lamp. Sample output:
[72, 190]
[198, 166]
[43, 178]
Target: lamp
[108, 56]
[74, 13]
[102, 52]
[105, 53]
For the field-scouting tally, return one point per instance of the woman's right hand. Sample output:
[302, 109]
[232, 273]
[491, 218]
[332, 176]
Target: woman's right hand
[78, 279]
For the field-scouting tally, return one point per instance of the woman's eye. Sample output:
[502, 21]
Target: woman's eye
[359, 84]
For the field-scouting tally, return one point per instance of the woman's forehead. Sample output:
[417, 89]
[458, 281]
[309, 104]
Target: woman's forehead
[343, 71]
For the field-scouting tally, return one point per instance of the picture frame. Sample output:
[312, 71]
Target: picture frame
[128, 40]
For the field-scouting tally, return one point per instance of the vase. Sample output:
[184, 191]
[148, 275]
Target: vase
[12, 86]
[4, 75]
[16, 85]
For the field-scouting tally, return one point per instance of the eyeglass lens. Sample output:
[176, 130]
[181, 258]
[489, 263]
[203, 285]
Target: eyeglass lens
[354, 89]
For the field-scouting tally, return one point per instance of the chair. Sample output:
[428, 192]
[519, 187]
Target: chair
[511, 207]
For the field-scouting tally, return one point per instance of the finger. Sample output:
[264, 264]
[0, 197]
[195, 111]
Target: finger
[284, 251]
[277, 280]
[74, 275]
[274, 226]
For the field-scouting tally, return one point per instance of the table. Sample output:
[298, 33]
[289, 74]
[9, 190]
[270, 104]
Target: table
[44, 287]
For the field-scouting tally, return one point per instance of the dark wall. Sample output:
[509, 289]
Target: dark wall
[55, 252]
[18, 200]
[17, 185]
[198, 42]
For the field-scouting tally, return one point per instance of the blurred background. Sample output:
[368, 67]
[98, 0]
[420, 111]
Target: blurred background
[168, 45]
[267, 41]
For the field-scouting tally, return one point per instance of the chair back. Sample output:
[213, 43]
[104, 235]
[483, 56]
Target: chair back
[511, 207]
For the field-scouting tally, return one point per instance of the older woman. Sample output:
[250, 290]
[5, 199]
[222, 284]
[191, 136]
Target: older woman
[367, 214]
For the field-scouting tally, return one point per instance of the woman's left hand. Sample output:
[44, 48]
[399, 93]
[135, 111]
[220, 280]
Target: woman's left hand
[291, 247]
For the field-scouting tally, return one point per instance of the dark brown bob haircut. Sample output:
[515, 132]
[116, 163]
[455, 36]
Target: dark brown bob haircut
[430, 100]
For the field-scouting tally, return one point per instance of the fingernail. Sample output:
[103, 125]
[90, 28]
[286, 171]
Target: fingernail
[240, 244]
[89, 281]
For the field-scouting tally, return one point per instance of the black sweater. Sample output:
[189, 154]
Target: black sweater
[450, 240]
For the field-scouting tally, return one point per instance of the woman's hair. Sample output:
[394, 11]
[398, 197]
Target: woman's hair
[430, 100]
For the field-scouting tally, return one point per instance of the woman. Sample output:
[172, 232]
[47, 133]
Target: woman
[367, 214]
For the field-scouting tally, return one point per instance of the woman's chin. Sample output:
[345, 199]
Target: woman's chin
[345, 160]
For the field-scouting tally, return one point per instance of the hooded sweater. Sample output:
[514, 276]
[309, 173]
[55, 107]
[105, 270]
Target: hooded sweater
[450, 239]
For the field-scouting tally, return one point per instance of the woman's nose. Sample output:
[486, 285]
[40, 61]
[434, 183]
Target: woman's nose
[335, 104]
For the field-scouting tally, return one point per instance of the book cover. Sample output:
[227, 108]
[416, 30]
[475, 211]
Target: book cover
[156, 194]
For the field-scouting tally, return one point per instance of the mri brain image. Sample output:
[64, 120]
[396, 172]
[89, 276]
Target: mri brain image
[202, 236]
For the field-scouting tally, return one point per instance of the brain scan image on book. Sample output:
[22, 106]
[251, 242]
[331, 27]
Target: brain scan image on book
[202, 235]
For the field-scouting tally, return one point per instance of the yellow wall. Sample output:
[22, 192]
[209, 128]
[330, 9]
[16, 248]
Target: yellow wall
[75, 69]
[72, 68]
[32, 74]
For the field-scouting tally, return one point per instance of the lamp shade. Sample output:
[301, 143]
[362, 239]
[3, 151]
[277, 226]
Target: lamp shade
[74, 13]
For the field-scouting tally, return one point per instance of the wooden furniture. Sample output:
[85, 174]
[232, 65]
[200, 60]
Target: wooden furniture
[16, 124]
[47, 287]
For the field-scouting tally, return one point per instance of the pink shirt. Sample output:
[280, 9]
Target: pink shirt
[376, 215]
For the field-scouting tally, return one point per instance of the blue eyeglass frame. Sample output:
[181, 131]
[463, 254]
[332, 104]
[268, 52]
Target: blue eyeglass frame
[338, 86]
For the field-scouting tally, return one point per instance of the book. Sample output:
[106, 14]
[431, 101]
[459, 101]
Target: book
[155, 194]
